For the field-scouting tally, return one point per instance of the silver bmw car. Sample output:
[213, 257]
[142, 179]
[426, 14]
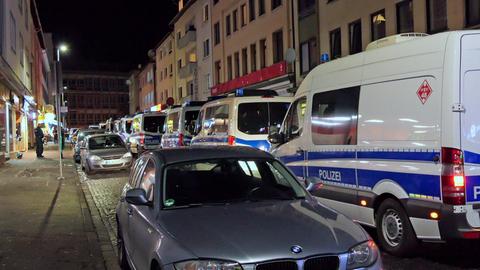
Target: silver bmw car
[231, 208]
[104, 152]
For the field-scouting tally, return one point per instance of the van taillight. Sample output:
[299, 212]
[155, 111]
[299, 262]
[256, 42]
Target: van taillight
[141, 138]
[231, 140]
[180, 139]
[453, 177]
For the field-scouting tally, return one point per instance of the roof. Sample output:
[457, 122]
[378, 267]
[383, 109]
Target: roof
[194, 153]
[181, 12]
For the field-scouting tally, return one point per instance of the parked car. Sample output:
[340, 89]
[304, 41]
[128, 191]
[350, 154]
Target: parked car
[230, 208]
[180, 124]
[242, 118]
[104, 152]
[148, 129]
[81, 135]
[393, 136]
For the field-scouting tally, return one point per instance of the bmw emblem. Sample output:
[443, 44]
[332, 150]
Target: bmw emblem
[296, 249]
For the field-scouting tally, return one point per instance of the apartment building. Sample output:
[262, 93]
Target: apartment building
[146, 87]
[193, 61]
[94, 97]
[250, 41]
[348, 26]
[133, 92]
[165, 75]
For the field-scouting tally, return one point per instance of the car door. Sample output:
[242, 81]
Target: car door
[141, 224]
[293, 151]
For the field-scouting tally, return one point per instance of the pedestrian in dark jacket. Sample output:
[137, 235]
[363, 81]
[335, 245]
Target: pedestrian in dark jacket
[39, 141]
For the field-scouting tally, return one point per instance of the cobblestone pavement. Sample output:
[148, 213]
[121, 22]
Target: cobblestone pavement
[106, 189]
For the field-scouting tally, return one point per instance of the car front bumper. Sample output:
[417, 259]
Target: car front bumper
[109, 165]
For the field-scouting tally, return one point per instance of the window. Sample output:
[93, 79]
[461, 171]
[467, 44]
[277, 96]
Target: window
[355, 33]
[218, 72]
[437, 15]
[179, 63]
[336, 43]
[229, 68]
[13, 33]
[216, 29]
[257, 118]
[237, 64]
[277, 46]
[235, 20]
[244, 15]
[295, 119]
[472, 9]
[378, 21]
[261, 7]
[22, 49]
[251, 6]
[206, 48]
[263, 53]
[20, 6]
[308, 52]
[304, 6]
[253, 57]
[244, 61]
[179, 35]
[206, 13]
[173, 122]
[276, 3]
[189, 121]
[216, 120]
[405, 16]
[335, 116]
[153, 124]
[147, 183]
[228, 25]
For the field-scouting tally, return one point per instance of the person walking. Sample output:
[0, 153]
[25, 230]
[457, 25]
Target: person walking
[39, 141]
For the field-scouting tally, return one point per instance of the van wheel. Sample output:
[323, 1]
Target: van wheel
[395, 233]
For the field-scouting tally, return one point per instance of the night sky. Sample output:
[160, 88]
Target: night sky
[106, 35]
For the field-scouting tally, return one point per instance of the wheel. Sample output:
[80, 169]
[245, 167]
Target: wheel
[395, 233]
[122, 254]
[88, 171]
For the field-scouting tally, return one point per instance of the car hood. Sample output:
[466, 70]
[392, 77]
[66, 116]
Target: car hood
[108, 152]
[259, 231]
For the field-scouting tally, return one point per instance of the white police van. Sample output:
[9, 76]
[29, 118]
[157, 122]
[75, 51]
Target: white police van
[391, 137]
[147, 131]
[241, 118]
[180, 124]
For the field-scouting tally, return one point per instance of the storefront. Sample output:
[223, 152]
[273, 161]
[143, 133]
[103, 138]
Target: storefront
[6, 143]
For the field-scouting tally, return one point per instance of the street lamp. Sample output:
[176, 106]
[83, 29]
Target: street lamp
[61, 48]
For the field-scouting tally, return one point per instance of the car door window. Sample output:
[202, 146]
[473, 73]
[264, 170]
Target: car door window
[294, 121]
[139, 165]
[147, 181]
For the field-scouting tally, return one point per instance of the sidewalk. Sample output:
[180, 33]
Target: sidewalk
[44, 222]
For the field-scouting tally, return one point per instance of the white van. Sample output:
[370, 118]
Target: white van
[391, 138]
[147, 132]
[125, 128]
[242, 118]
[180, 124]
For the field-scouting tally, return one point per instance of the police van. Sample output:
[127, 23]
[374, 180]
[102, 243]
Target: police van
[147, 131]
[241, 118]
[391, 137]
[180, 124]
[125, 128]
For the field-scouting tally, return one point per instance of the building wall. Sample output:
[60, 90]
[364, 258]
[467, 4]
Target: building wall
[165, 70]
[146, 83]
[95, 97]
[204, 61]
[133, 92]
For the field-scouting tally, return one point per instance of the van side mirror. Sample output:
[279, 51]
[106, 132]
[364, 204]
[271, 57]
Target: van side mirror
[137, 196]
[275, 136]
[312, 183]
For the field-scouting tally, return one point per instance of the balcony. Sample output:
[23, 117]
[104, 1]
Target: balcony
[187, 70]
[189, 37]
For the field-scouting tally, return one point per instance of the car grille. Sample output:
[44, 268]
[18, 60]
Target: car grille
[112, 157]
[317, 263]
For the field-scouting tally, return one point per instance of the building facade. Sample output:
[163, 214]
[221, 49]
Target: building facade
[94, 97]
[146, 87]
[165, 75]
[133, 92]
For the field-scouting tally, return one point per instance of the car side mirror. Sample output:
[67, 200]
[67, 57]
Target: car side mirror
[312, 183]
[137, 196]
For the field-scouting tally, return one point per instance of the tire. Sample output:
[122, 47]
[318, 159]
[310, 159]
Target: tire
[88, 171]
[394, 230]
[122, 254]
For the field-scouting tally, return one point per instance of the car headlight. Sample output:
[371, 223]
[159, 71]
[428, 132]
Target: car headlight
[207, 265]
[363, 255]
[95, 158]
[127, 155]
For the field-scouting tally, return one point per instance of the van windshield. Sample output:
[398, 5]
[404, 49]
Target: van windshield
[257, 118]
[154, 124]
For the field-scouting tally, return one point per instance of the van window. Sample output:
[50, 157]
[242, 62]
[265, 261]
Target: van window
[153, 123]
[136, 125]
[173, 122]
[199, 124]
[217, 120]
[190, 121]
[335, 117]
[257, 118]
[294, 120]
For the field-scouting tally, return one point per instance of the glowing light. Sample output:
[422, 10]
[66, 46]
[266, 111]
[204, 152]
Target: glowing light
[434, 215]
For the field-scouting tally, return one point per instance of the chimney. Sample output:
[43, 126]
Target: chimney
[180, 5]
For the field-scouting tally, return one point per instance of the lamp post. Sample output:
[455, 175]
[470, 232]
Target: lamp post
[62, 48]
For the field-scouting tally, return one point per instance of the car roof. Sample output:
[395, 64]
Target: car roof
[195, 153]
[103, 135]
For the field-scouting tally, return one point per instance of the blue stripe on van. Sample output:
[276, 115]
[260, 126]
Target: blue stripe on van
[259, 144]
[471, 157]
[330, 155]
[410, 156]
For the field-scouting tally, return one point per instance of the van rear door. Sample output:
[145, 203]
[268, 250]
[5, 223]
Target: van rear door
[470, 119]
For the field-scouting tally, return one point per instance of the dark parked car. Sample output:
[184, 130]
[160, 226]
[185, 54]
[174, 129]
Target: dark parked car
[231, 208]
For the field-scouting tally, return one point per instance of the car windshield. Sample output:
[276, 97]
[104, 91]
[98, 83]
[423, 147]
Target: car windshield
[128, 126]
[81, 136]
[228, 181]
[257, 118]
[105, 142]
[154, 123]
